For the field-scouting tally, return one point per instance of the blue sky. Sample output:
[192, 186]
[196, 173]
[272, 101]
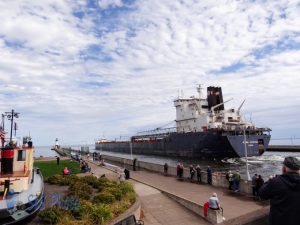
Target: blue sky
[82, 70]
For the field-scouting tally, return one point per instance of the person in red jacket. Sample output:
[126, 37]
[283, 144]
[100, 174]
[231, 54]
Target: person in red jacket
[66, 171]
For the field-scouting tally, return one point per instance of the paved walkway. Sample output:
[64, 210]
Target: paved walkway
[157, 208]
[237, 207]
[160, 210]
[234, 204]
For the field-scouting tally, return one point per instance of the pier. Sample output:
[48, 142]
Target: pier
[166, 200]
[284, 148]
[66, 151]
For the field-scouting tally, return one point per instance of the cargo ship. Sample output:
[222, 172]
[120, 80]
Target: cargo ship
[204, 129]
[21, 185]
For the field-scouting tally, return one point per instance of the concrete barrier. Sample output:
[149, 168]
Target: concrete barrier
[213, 216]
[218, 179]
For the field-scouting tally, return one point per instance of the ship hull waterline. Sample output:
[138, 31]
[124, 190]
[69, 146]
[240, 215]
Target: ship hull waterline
[194, 144]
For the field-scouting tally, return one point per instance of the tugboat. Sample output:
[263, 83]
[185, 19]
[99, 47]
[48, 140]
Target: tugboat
[21, 185]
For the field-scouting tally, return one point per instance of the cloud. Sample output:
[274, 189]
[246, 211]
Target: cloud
[78, 69]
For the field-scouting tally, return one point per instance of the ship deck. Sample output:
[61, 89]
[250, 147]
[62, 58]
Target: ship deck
[16, 174]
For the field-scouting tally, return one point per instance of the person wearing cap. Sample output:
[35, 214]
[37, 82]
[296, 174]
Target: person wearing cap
[284, 193]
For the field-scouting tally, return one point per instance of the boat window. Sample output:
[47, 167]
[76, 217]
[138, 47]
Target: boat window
[21, 155]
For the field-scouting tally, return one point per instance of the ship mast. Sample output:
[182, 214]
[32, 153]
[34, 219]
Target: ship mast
[199, 90]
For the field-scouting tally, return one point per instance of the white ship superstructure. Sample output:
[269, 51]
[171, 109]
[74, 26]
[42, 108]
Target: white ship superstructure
[197, 115]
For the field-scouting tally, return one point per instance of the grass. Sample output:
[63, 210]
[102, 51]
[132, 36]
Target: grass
[50, 168]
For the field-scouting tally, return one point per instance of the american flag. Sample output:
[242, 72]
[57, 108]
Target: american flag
[2, 136]
[2, 133]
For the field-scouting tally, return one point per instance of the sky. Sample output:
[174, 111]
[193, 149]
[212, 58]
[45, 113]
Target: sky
[83, 70]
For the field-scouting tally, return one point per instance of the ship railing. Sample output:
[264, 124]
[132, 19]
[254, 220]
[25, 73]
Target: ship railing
[157, 131]
[248, 131]
[155, 136]
[15, 142]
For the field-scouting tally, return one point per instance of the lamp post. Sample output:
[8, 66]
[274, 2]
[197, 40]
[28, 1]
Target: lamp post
[130, 148]
[246, 155]
[130, 145]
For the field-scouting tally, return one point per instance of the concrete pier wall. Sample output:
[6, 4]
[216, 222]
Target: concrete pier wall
[218, 179]
[213, 216]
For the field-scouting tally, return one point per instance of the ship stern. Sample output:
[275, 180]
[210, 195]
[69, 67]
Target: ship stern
[256, 145]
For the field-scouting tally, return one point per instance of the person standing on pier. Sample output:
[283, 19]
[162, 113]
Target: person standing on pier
[178, 169]
[198, 170]
[236, 181]
[209, 175]
[229, 177]
[134, 164]
[166, 166]
[253, 183]
[284, 192]
[192, 171]
[259, 183]
[57, 160]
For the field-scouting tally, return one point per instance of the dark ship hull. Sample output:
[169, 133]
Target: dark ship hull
[192, 144]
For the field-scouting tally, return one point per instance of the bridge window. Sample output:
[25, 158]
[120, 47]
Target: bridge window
[21, 155]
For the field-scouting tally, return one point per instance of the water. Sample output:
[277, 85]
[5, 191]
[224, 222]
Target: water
[268, 164]
[44, 151]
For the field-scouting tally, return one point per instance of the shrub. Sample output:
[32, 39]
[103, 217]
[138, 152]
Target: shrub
[52, 215]
[67, 180]
[115, 191]
[104, 197]
[54, 179]
[126, 187]
[85, 209]
[80, 190]
[101, 213]
[131, 197]
[107, 183]
[120, 207]
[94, 214]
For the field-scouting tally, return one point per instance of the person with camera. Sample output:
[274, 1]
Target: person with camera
[284, 193]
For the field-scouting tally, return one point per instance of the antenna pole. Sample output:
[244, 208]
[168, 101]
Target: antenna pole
[11, 125]
[10, 116]
[3, 121]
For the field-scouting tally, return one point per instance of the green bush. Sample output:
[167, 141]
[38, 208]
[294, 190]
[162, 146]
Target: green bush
[131, 197]
[126, 187]
[54, 179]
[89, 180]
[115, 191]
[105, 198]
[107, 183]
[68, 180]
[52, 215]
[80, 190]
[120, 207]
[101, 213]
[85, 209]
[95, 214]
